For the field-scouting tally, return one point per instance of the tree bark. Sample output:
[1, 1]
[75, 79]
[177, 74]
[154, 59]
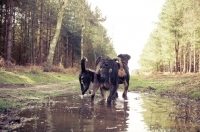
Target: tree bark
[41, 33]
[184, 60]
[194, 59]
[190, 56]
[9, 44]
[53, 43]
[82, 28]
[47, 37]
[194, 55]
[32, 39]
[176, 55]
[199, 61]
[66, 51]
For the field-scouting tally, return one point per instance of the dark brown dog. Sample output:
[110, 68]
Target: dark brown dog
[106, 77]
[125, 79]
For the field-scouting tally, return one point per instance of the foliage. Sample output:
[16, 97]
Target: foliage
[174, 45]
[33, 27]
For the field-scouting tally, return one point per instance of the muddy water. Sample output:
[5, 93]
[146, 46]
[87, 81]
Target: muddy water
[137, 113]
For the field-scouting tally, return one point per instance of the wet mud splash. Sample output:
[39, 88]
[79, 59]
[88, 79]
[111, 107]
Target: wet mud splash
[72, 113]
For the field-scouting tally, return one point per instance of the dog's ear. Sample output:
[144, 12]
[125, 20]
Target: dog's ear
[120, 55]
[128, 57]
[124, 56]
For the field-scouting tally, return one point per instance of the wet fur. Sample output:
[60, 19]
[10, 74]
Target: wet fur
[86, 77]
[125, 79]
[105, 77]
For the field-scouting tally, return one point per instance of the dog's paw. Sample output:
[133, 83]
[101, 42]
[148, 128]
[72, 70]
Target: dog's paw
[81, 96]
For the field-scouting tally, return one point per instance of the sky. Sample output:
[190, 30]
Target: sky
[129, 24]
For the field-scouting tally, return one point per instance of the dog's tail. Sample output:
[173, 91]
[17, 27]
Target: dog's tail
[83, 69]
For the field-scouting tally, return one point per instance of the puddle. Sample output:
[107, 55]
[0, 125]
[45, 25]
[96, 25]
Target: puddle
[171, 114]
[137, 113]
[71, 113]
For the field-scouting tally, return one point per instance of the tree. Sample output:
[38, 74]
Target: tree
[53, 43]
[34, 23]
[9, 44]
[41, 31]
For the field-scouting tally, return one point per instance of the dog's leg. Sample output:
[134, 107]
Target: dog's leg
[95, 88]
[81, 83]
[89, 91]
[116, 95]
[103, 93]
[112, 93]
[86, 87]
[124, 95]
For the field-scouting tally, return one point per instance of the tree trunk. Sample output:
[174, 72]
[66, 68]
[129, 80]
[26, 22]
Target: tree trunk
[184, 60]
[41, 33]
[53, 43]
[194, 59]
[66, 51]
[199, 61]
[190, 56]
[32, 39]
[82, 28]
[72, 55]
[194, 55]
[13, 28]
[9, 44]
[47, 37]
[180, 62]
[1, 28]
[176, 55]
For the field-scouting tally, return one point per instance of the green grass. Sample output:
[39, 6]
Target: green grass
[13, 98]
[184, 85]
[34, 78]
[143, 82]
[139, 82]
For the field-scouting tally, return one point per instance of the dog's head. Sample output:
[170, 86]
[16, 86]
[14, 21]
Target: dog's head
[125, 58]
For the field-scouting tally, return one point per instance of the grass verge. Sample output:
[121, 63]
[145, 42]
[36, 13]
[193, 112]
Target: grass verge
[34, 76]
[182, 85]
[24, 86]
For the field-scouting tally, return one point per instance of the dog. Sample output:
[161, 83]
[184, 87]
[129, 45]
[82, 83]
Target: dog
[105, 78]
[124, 79]
[86, 77]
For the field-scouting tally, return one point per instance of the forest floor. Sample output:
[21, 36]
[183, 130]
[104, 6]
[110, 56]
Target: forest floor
[22, 88]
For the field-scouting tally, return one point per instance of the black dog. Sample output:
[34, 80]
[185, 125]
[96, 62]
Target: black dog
[125, 79]
[105, 77]
[85, 77]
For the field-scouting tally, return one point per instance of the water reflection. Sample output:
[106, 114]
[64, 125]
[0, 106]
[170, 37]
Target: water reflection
[71, 113]
[171, 114]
